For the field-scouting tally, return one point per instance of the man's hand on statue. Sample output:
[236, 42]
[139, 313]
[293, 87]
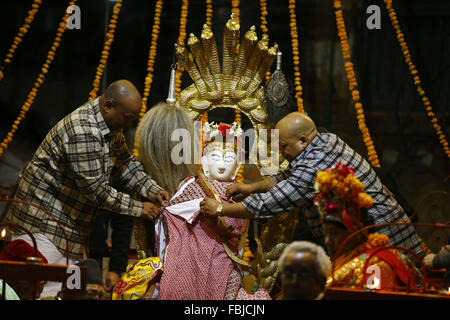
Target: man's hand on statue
[151, 211]
[112, 279]
[209, 206]
[239, 191]
[160, 198]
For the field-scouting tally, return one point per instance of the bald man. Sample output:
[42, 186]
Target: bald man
[309, 152]
[70, 175]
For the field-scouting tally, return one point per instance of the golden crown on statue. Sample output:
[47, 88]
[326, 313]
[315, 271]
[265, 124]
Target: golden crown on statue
[237, 84]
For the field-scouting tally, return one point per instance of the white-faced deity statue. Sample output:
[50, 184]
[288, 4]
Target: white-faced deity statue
[220, 158]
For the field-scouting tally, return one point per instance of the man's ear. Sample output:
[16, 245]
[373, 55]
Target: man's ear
[108, 104]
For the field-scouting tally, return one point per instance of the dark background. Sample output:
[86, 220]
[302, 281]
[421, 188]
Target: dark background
[413, 162]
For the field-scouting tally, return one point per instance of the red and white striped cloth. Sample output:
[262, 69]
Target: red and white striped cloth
[196, 266]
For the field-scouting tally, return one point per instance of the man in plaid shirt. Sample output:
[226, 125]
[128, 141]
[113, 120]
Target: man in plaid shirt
[310, 152]
[70, 172]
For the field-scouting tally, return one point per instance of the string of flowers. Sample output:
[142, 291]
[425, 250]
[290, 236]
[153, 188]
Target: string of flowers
[353, 85]
[39, 81]
[295, 55]
[150, 66]
[19, 37]
[416, 78]
[209, 13]
[264, 28]
[208, 21]
[237, 112]
[181, 38]
[235, 8]
[105, 52]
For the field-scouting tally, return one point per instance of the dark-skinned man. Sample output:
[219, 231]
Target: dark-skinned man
[309, 152]
[70, 172]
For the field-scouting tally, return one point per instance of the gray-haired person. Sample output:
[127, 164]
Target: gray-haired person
[305, 268]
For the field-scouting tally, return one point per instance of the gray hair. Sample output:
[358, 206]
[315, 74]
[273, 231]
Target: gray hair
[323, 262]
[155, 145]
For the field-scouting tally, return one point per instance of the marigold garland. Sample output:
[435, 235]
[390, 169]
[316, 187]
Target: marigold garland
[19, 37]
[105, 51]
[181, 38]
[416, 78]
[374, 240]
[209, 13]
[208, 21]
[150, 67]
[345, 185]
[353, 86]
[264, 28]
[39, 81]
[237, 112]
[295, 55]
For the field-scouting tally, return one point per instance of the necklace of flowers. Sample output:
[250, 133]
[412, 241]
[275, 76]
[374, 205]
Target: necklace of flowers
[150, 66]
[105, 51]
[353, 86]
[39, 81]
[181, 38]
[295, 55]
[19, 37]
[416, 78]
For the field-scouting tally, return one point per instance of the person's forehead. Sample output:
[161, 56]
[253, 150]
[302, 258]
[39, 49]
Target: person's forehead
[131, 106]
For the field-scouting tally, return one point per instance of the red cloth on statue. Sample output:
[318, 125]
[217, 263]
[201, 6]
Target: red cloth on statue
[196, 266]
[396, 264]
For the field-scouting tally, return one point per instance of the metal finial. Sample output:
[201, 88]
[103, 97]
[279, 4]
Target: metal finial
[171, 96]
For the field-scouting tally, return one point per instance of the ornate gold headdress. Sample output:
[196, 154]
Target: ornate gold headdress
[236, 84]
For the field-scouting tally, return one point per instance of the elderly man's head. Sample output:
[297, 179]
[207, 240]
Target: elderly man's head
[304, 270]
[120, 105]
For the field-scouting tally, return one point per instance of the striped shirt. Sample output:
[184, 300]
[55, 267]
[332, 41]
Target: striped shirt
[69, 176]
[295, 188]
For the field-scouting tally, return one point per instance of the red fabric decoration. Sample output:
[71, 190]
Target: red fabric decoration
[397, 265]
[223, 129]
[19, 250]
[347, 220]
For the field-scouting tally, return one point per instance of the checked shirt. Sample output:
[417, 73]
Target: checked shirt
[295, 188]
[69, 176]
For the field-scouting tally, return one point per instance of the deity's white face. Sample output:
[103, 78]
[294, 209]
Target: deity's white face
[220, 166]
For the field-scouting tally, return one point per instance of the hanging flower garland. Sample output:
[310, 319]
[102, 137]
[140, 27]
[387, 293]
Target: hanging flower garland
[105, 51]
[209, 13]
[264, 28]
[39, 81]
[181, 38]
[208, 21]
[150, 66]
[353, 86]
[416, 78]
[237, 113]
[19, 37]
[295, 56]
